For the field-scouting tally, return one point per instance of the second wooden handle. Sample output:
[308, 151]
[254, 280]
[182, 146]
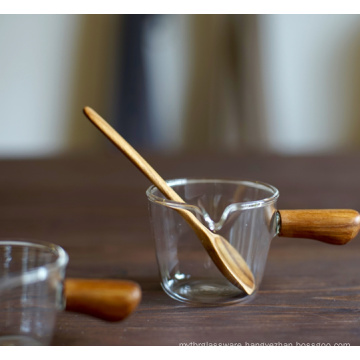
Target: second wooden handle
[110, 300]
[335, 226]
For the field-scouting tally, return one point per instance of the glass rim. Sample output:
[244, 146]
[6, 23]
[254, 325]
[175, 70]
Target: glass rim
[162, 200]
[38, 273]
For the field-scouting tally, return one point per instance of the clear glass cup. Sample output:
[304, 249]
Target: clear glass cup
[31, 291]
[243, 212]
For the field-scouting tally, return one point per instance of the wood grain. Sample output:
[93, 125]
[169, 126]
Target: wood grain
[333, 226]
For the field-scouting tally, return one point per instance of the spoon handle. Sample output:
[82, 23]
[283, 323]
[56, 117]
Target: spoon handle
[110, 300]
[143, 166]
[131, 154]
[334, 226]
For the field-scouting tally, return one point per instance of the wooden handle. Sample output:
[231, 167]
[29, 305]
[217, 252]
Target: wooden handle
[331, 226]
[110, 300]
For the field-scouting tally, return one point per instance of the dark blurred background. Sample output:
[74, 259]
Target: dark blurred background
[287, 84]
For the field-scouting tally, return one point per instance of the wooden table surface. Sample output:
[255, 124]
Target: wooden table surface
[95, 207]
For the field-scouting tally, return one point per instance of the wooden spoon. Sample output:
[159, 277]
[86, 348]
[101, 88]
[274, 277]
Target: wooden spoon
[110, 300]
[223, 254]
